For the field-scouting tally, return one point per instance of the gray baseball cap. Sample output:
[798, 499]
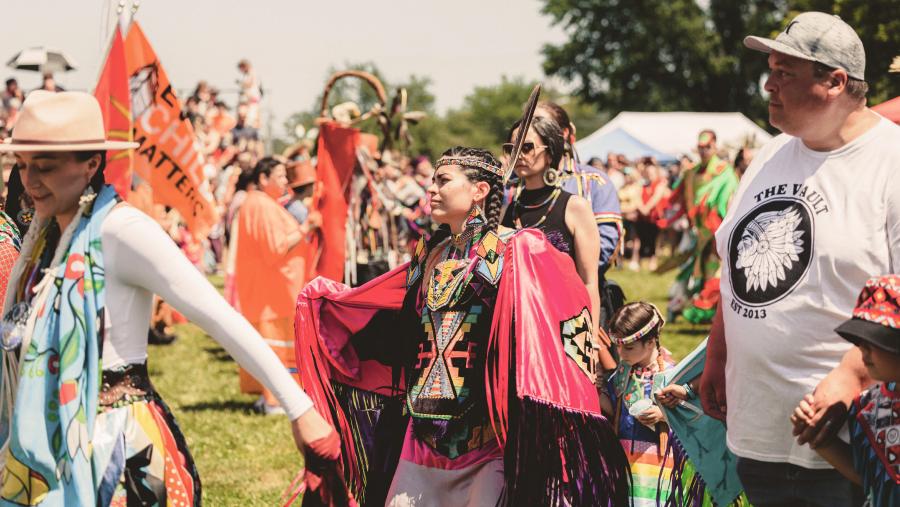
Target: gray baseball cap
[818, 37]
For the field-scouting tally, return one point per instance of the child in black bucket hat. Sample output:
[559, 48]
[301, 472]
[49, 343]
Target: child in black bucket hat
[872, 458]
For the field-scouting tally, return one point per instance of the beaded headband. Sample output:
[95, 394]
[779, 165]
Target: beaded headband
[468, 162]
[657, 320]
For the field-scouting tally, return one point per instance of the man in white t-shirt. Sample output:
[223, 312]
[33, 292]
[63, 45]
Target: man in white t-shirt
[816, 214]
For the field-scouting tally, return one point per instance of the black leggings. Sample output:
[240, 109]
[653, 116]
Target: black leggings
[647, 232]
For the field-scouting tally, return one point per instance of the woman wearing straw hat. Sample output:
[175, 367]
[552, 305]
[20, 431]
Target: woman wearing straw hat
[78, 430]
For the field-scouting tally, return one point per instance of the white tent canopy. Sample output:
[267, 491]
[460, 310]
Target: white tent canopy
[674, 133]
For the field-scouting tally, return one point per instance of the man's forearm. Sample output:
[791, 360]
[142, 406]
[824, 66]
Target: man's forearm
[851, 373]
[716, 347]
[838, 454]
[293, 239]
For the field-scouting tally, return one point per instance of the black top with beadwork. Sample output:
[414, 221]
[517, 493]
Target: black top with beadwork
[543, 210]
[440, 337]
[445, 390]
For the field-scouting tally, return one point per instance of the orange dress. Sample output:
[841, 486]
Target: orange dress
[269, 276]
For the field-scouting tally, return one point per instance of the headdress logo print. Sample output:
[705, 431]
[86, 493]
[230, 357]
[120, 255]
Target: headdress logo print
[770, 250]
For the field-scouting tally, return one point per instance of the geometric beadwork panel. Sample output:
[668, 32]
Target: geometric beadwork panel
[579, 342]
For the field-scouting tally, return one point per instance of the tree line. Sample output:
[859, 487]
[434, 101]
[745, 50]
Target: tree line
[635, 55]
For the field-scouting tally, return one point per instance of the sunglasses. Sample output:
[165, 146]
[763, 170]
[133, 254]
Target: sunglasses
[527, 148]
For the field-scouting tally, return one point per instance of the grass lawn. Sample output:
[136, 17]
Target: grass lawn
[248, 460]
[679, 337]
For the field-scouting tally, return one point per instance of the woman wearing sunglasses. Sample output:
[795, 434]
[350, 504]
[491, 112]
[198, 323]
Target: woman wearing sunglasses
[539, 202]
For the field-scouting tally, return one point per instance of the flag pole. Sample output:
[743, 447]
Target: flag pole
[124, 19]
[126, 16]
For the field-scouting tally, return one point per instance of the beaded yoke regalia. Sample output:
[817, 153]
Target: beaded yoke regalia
[644, 446]
[446, 395]
[415, 370]
[703, 193]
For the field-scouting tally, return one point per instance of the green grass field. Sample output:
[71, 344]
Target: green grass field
[248, 460]
[679, 337]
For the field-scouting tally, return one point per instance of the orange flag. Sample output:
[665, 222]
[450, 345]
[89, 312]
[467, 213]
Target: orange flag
[115, 102]
[166, 156]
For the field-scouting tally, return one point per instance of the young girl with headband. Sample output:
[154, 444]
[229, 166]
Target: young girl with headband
[629, 399]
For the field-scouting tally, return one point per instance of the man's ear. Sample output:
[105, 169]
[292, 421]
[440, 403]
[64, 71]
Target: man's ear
[837, 82]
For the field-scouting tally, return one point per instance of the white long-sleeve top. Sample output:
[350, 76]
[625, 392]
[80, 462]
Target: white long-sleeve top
[141, 260]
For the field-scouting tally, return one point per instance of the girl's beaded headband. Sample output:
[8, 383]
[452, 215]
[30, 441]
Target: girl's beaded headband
[657, 320]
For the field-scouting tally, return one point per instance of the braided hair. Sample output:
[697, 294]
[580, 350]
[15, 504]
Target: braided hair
[493, 203]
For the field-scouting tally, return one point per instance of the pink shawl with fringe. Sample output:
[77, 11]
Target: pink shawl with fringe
[541, 309]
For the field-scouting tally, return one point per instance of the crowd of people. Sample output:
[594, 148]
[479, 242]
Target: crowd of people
[668, 210]
[468, 346]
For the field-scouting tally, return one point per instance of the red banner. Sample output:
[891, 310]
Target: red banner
[115, 101]
[336, 161]
[166, 157]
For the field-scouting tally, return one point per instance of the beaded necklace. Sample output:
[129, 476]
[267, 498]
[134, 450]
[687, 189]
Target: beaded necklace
[40, 257]
[461, 240]
[517, 206]
[14, 323]
[452, 270]
[549, 198]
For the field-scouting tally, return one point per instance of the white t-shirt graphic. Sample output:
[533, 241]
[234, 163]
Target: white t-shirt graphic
[804, 232]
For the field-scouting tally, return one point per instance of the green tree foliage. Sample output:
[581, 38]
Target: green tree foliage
[488, 112]
[667, 55]
[483, 119]
[878, 24]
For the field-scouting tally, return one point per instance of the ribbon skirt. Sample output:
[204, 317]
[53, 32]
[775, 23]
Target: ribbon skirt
[143, 454]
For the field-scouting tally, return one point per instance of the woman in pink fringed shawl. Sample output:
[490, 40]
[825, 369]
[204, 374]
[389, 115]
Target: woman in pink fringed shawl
[465, 377]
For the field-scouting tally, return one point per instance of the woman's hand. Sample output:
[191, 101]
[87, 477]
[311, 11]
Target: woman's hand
[314, 219]
[321, 446]
[670, 395]
[311, 431]
[651, 417]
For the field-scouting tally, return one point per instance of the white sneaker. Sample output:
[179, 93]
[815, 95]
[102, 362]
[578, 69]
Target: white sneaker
[261, 407]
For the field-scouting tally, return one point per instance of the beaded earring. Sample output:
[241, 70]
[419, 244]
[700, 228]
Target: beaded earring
[551, 177]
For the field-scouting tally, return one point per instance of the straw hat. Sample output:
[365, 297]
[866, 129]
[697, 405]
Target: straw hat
[301, 173]
[61, 121]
